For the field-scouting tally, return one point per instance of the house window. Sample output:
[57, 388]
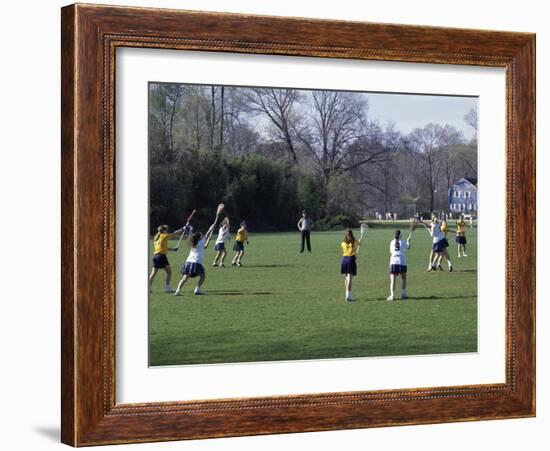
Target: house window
[468, 193]
[469, 207]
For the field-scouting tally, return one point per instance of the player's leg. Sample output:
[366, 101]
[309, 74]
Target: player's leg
[349, 296]
[431, 262]
[308, 241]
[392, 287]
[181, 284]
[445, 254]
[303, 240]
[224, 254]
[239, 257]
[404, 285]
[154, 272]
[167, 287]
[202, 277]
[215, 262]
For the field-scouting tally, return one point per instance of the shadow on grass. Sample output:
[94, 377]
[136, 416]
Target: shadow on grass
[238, 293]
[268, 266]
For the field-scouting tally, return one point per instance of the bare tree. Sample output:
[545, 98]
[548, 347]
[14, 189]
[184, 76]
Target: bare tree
[471, 118]
[338, 135]
[279, 106]
[431, 145]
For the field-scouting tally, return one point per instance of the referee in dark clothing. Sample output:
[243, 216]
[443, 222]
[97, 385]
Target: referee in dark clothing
[305, 225]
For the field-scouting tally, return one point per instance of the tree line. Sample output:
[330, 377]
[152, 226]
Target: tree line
[268, 153]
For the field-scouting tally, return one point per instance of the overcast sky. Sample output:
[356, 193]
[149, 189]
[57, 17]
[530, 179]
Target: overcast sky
[409, 111]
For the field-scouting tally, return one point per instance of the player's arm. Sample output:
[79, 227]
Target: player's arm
[209, 233]
[174, 235]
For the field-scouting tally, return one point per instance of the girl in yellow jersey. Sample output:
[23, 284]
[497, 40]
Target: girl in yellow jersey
[461, 236]
[238, 247]
[348, 266]
[160, 260]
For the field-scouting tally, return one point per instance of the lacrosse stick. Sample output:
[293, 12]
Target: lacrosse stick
[219, 211]
[364, 228]
[186, 224]
[413, 224]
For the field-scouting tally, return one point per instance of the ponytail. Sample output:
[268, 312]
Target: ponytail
[161, 229]
[397, 242]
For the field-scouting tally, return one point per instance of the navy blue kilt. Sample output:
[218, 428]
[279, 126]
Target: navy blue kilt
[348, 266]
[219, 247]
[160, 261]
[238, 246]
[192, 269]
[460, 239]
[398, 269]
[441, 245]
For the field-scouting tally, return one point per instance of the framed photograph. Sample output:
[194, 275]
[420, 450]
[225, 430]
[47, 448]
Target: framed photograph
[278, 225]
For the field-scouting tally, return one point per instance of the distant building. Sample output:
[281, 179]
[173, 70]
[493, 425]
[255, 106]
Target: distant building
[463, 196]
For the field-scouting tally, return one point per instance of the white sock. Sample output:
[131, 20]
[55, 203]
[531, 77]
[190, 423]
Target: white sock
[197, 289]
[450, 264]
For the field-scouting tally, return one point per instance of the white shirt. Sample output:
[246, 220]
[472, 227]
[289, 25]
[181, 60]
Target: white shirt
[398, 256]
[437, 234]
[223, 235]
[196, 253]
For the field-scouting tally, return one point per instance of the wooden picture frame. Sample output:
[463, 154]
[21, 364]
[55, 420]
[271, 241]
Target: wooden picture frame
[90, 36]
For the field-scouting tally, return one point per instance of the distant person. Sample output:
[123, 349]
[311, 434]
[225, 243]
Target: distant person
[160, 258]
[461, 237]
[348, 266]
[238, 247]
[398, 263]
[223, 236]
[305, 226]
[439, 246]
[193, 265]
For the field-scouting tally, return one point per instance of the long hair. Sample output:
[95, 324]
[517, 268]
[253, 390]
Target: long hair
[397, 245]
[225, 222]
[161, 229]
[348, 237]
[194, 239]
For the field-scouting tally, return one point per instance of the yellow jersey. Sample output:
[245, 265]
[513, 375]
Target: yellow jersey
[242, 235]
[349, 249]
[460, 228]
[444, 228]
[161, 244]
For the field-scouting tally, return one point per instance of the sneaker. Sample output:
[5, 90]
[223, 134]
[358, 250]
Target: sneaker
[450, 269]
[198, 293]
[464, 255]
[389, 298]
[440, 268]
[177, 293]
[169, 290]
[221, 265]
[430, 269]
[233, 264]
[404, 296]
[350, 299]
[460, 256]
[214, 265]
[239, 264]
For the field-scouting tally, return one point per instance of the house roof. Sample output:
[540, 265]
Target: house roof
[470, 180]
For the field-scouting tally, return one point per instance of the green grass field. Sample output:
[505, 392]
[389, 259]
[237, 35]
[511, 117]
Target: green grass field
[283, 305]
